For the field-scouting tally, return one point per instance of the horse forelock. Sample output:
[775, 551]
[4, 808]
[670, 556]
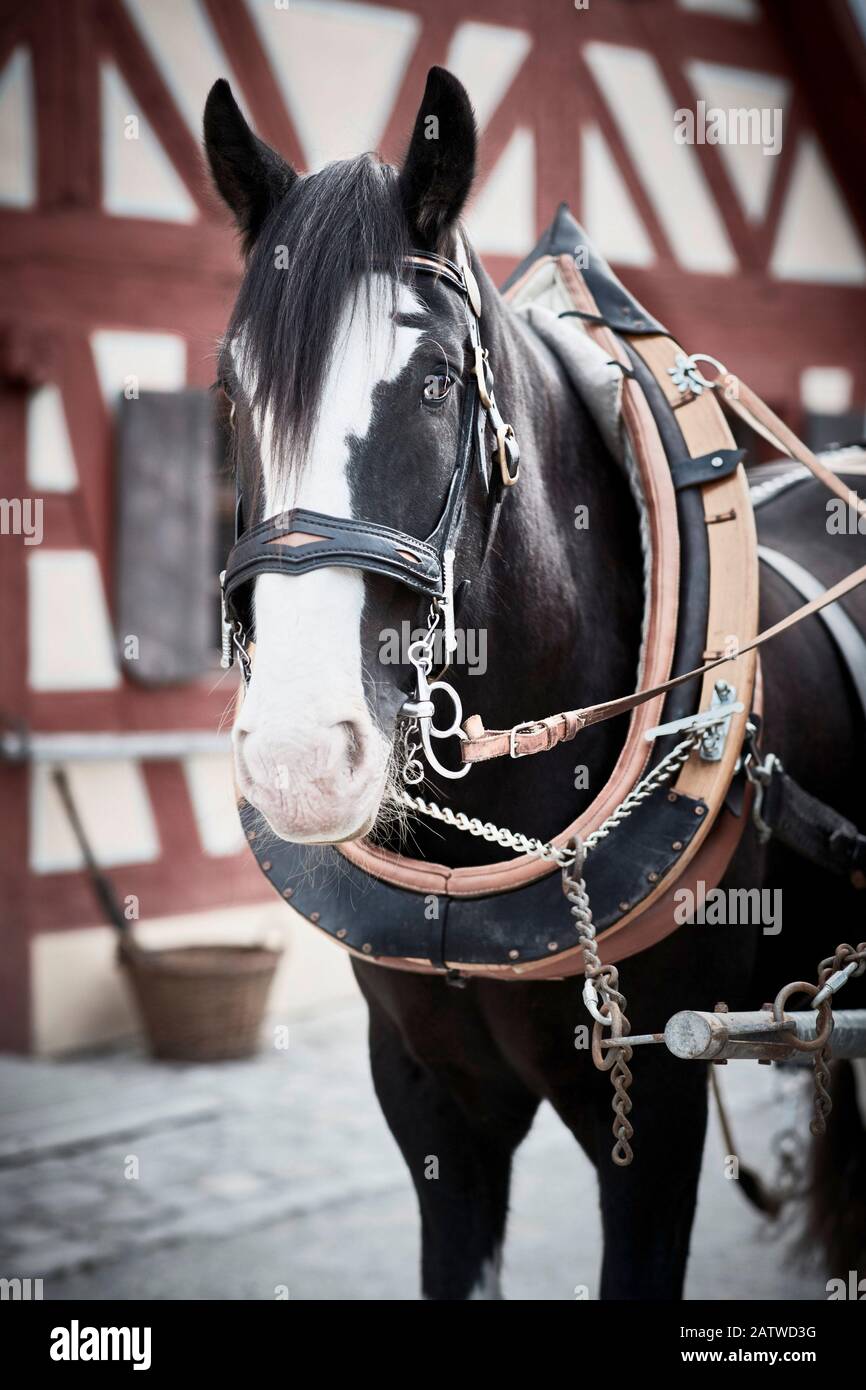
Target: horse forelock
[314, 265]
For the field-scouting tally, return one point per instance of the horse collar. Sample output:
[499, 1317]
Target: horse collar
[678, 829]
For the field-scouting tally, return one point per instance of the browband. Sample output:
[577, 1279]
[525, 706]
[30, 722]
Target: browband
[299, 540]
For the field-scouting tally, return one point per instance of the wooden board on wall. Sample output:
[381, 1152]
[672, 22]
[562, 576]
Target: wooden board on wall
[166, 511]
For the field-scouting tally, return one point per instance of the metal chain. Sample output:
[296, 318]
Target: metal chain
[486, 830]
[660, 774]
[833, 972]
[412, 766]
[601, 993]
[601, 982]
[562, 855]
[823, 1099]
[239, 638]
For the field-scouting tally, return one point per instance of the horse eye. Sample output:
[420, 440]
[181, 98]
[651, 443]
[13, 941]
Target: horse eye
[436, 387]
[227, 406]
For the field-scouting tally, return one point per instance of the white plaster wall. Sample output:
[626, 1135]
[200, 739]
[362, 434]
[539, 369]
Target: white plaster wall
[50, 460]
[70, 640]
[210, 779]
[339, 105]
[138, 178]
[112, 800]
[17, 132]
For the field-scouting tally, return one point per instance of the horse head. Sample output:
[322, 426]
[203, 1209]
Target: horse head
[348, 372]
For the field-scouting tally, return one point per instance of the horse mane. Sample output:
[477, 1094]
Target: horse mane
[314, 253]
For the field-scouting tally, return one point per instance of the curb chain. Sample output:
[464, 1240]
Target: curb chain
[563, 855]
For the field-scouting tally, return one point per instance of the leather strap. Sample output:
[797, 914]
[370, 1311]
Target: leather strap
[300, 540]
[537, 736]
[742, 400]
[811, 828]
[708, 468]
[848, 638]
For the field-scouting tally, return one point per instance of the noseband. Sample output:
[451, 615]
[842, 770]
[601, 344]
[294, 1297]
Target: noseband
[299, 540]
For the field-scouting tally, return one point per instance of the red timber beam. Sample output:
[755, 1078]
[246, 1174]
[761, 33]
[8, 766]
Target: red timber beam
[236, 30]
[15, 920]
[827, 53]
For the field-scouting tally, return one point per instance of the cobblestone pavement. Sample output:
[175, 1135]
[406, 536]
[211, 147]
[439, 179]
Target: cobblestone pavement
[280, 1174]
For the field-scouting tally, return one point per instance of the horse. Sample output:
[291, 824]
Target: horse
[346, 378]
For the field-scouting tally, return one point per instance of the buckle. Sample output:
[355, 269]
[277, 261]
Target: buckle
[483, 376]
[524, 728]
[226, 628]
[507, 452]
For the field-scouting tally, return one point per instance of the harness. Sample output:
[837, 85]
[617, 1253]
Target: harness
[675, 805]
[690, 771]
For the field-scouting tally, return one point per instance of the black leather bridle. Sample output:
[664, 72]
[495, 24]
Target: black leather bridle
[299, 540]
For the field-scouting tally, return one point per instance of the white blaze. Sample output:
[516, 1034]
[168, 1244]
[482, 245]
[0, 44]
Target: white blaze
[307, 669]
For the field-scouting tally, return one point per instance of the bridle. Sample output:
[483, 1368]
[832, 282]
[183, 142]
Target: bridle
[299, 540]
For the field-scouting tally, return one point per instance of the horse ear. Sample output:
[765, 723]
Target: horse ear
[250, 176]
[439, 167]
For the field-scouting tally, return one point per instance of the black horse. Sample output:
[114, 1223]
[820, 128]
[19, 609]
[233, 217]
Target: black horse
[347, 384]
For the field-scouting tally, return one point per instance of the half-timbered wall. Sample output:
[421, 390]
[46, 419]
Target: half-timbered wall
[117, 265]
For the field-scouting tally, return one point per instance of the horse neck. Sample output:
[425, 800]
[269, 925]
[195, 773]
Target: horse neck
[560, 607]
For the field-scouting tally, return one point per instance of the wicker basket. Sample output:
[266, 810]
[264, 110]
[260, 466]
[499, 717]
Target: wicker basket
[201, 1003]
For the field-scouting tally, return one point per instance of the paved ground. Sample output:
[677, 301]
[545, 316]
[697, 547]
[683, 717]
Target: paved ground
[121, 1178]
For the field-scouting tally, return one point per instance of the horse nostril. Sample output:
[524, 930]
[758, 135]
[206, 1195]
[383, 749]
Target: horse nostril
[354, 743]
[241, 761]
